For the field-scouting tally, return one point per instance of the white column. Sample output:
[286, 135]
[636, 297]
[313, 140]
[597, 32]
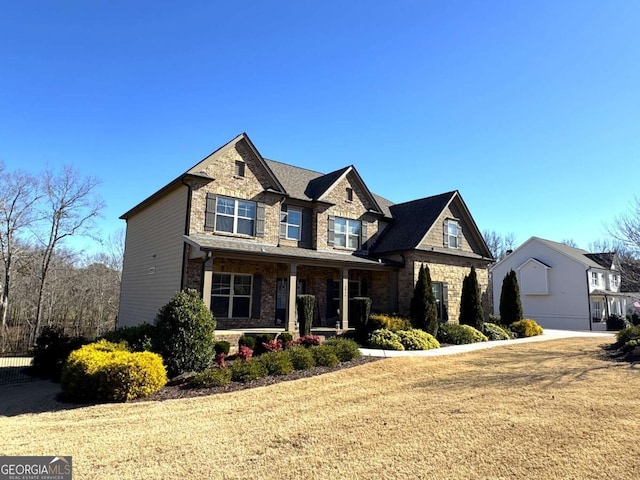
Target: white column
[207, 281]
[291, 306]
[344, 299]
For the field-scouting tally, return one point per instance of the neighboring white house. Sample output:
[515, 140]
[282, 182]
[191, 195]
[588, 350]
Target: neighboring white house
[563, 287]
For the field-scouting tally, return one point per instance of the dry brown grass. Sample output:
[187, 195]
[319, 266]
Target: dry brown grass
[543, 410]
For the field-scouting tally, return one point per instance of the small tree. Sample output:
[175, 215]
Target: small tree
[470, 302]
[510, 304]
[424, 312]
[185, 333]
[359, 310]
[306, 305]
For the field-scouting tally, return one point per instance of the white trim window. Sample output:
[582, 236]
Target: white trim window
[291, 221]
[452, 234]
[615, 281]
[231, 295]
[347, 233]
[596, 312]
[594, 279]
[235, 216]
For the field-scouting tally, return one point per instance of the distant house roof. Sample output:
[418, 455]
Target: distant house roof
[605, 260]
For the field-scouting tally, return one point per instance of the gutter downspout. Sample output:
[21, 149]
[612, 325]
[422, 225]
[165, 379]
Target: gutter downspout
[187, 226]
[589, 299]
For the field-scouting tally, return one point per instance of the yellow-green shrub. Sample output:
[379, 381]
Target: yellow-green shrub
[105, 371]
[379, 321]
[526, 328]
[415, 339]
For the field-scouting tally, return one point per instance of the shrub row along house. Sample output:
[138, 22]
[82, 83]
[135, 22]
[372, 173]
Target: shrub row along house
[250, 234]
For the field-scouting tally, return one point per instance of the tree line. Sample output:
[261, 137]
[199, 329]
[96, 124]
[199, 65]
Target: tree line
[42, 280]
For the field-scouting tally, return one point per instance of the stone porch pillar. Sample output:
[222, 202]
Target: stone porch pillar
[207, 280]
[291, 304]
[344, 299]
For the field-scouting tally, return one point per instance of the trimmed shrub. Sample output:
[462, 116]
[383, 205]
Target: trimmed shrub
[212, 377]
[627, 334]
[324, 356]
[309, 341]
[471, 302]
[52, 349]
[631, 345]
[245, 353]
[359, 310]
[185, 333]
[346, 350]
[456, 334]
[305, 305]
[510, 304]
[246, 371]
[222, 346]
[261, 340]
[105, 371]
[385, 339]
[526, 328]
[388, 322]
[495, 332]
[424, 312]
[286, 338]
[138, 338]
[616, 322]
[417, 340]
[247, 341]
[277, 363]
[301, 358]
[634, 319]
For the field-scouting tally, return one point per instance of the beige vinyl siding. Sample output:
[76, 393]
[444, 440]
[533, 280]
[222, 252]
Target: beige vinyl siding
[153, 258]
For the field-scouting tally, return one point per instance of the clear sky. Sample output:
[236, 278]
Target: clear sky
[531, 109]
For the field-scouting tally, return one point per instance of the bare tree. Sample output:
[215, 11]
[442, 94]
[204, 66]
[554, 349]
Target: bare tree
[499, 244]
[626, 229]
[70, 208]
[19, 194]
[570, 242]
[628, 258]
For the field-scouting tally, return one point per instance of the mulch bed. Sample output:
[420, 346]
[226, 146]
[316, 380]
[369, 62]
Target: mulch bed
[182, 391]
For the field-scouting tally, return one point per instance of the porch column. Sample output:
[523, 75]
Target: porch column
[291, 305]
[344, 299]
[207, 280]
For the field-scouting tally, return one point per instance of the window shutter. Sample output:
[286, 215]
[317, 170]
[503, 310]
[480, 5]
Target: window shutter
[445, 233]
[305, 236]
[256, 296]
[260, 208]
[459, 236]
[363, 234]
[331, 233]
[283, 225]
[210, 213]
[445, 302]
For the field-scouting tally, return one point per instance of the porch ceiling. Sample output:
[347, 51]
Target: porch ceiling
[303, 256]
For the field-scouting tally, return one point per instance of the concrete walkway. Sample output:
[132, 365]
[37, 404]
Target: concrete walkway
[453, 349]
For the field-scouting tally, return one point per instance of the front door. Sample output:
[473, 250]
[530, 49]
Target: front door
[282, 298]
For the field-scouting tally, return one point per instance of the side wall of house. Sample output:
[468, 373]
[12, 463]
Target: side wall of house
[152, 269]
[446, 269]
[566, 305]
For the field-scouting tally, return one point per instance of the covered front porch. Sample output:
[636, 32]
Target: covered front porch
[251, 286]
[602, 305]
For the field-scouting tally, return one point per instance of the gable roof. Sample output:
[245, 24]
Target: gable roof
[605, 260]
[533, 260]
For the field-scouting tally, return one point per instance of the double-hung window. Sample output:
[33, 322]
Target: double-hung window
[594, 279]
[347, 233]
[291, 223]
[453, 233]
[231, 295]
[235, 216]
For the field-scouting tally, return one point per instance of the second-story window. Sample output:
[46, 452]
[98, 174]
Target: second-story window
[347, 233]
[349, 195]
[235, 216]
[290, 223]
[239, 172]
[614, 282]
[594, 279]
[452, 234]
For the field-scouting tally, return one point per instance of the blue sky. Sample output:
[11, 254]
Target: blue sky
[530, 109]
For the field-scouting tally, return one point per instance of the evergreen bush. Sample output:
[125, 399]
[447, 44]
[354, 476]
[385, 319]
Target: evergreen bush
[105, 371]
[277, 363]
[247, 341]
[627, 334]
[424, 312]
[389, 322]
[246, 371]
[51, 350]
[471, 302]
[359, 310]
[616, 322]
[212, 377]
[455, 334]
[510, 304]
[222, 346]
[526, 328]
[324, 356]
[139, 338]
[495, 332]
[185, 333]
[385, 340]
[301, 357]
[306, 305]
[345, 349]
[417, 340]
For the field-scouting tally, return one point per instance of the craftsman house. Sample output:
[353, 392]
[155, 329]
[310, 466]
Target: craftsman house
[250, 234]
[562, 286]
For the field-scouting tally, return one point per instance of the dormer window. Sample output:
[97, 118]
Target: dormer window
[452, 234]
[349, 195]
[240, 165]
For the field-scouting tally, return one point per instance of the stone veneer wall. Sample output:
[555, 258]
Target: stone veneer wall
[450, 270]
